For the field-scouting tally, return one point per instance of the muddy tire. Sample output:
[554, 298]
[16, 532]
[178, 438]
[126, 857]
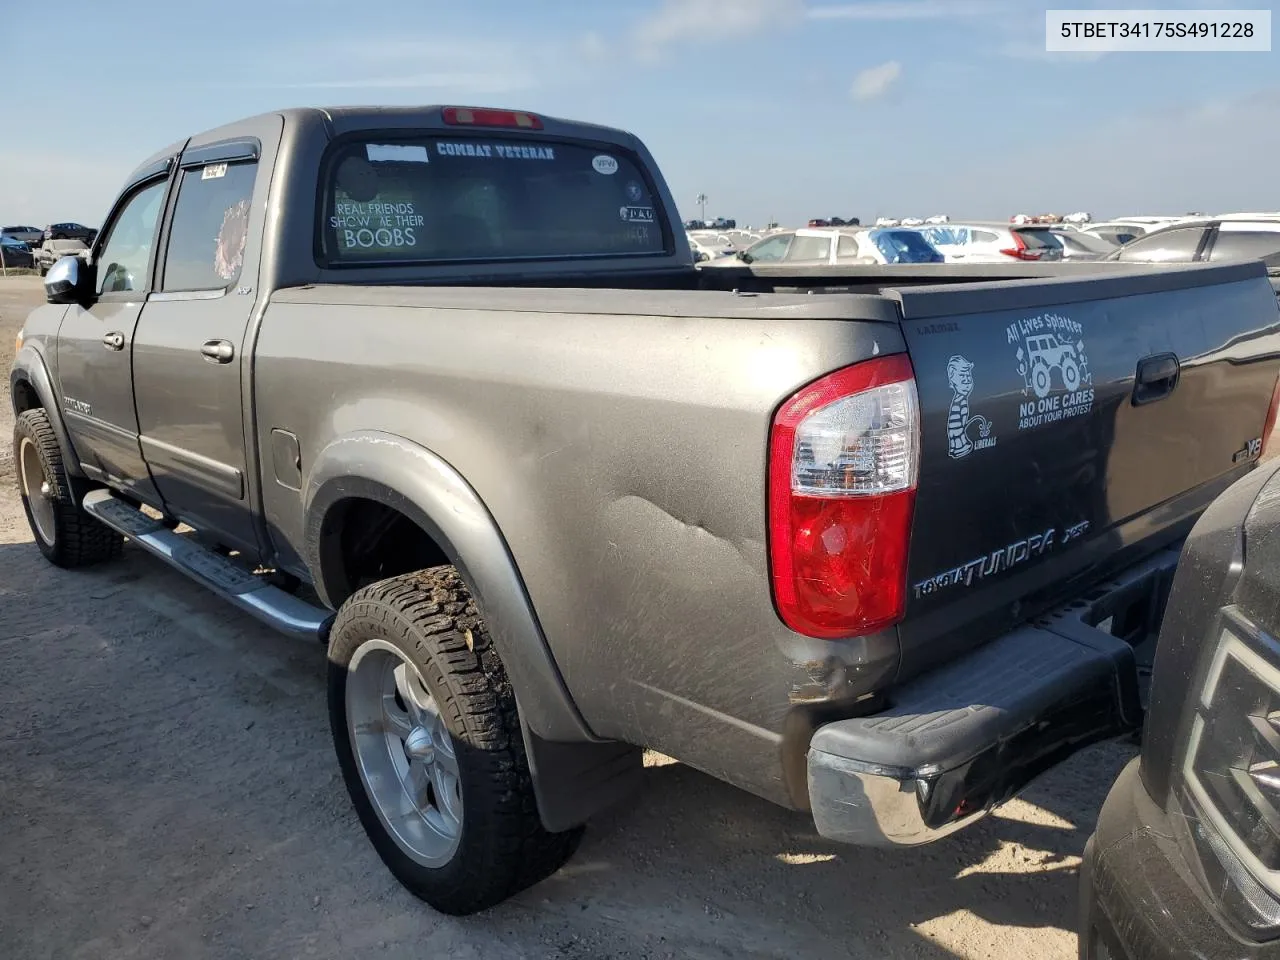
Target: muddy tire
[65, 534]
[425, 727]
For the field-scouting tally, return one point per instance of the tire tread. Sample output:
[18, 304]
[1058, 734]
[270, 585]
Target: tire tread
[433, 608]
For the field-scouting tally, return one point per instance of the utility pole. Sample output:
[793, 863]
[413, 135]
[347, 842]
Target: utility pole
[701, 201]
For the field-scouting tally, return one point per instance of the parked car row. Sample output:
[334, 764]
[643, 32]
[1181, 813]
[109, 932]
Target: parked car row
[1134, 240]
[32, 237]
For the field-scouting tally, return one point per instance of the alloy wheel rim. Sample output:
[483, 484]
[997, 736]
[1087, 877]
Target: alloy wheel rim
[404, 753]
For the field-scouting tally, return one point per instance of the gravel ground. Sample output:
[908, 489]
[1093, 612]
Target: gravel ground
[167, 789]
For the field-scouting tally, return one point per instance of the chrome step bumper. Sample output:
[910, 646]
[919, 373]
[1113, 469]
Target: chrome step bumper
[962, 739]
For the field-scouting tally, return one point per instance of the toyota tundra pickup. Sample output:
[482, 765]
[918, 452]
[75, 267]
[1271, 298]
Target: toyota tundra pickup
[443, 388]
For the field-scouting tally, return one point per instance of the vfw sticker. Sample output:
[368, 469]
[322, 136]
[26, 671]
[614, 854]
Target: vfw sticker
[965, 433]
[1054, 367]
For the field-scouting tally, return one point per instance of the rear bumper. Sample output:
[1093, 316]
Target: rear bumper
[966, 737]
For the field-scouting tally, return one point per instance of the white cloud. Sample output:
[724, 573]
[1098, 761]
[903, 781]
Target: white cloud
[874, 82]
[593, 47]
[908, 10]
[703, 21]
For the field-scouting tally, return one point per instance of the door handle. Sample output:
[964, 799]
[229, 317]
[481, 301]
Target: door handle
[1155, 378]
[218, 351]
[113, 341]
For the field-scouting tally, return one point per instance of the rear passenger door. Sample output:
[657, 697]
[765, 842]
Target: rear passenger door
[188, 352]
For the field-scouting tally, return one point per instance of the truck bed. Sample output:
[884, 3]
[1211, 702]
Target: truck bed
[619, 439]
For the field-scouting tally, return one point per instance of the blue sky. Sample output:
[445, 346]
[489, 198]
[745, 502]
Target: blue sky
[774, 108]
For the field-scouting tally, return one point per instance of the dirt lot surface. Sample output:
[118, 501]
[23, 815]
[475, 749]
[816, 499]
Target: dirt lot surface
[168, 790]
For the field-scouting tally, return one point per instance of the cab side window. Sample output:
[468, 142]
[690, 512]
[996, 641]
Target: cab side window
[210, 227]
[810, 248]
[125, 259]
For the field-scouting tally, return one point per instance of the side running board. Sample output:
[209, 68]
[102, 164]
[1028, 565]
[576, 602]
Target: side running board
[250, 593]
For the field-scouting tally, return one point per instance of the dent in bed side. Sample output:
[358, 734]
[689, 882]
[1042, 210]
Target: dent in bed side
[388, 469]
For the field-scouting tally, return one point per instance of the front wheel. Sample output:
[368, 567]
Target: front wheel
[65, 534]
[425, 727]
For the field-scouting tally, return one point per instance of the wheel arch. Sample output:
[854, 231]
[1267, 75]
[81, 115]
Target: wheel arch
[574, 773]
[381, 468]
[30, 386]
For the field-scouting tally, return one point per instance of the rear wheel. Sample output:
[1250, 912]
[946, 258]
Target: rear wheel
[65, 534]
[425, 726]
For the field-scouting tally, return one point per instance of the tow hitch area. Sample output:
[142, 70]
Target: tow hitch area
[966, 737]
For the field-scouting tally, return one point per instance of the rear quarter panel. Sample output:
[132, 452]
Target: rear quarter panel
[623, 457]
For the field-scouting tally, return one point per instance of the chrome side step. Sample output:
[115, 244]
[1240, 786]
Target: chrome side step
[250, 593]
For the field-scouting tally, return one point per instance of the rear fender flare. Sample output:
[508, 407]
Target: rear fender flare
[414, 481]
[30, 370]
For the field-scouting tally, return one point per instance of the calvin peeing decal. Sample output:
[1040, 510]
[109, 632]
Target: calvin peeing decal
[960, 426]
[1054, 368]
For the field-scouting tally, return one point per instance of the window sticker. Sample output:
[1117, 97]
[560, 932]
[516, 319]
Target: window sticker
[397, 153]
[635, 192]
[965, 433]
[636, 214]
[605, 164]
[228, 251]
[495, 151]
[375, 225]
[213, 171]
[1054, 367]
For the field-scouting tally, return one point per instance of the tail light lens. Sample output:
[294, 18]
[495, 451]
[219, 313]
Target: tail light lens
[1019, 250]
[1270, 424]
[843, 461]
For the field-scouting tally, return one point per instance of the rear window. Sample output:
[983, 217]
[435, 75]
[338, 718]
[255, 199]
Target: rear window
[439, 198]
[1040, 239]
[905, 246]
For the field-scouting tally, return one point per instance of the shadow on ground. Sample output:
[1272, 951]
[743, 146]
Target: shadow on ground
[169, 790]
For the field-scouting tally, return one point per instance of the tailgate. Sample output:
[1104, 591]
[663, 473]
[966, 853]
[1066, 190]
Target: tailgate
[1069, 426]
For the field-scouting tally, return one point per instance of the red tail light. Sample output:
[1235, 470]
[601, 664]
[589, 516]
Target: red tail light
[1272, 410]
[843, 460]
[483, 117]
[1019, 250]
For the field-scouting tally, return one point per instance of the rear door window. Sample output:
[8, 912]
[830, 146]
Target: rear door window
[1043, 240]
[810, 248]
[1244, 246]
[1166, 246]
[210, 227]
[443, 198]
[847, 246]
